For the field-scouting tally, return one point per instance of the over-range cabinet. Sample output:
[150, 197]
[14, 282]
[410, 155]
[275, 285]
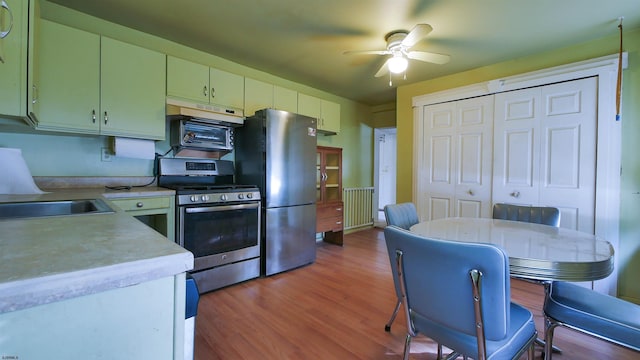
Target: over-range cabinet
[276, 150]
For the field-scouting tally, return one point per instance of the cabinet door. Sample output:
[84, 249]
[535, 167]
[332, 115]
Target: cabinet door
[330, 116]
[69, 79]
[285, 99]
[309, 106]
[329, 174]
[227, 89]
[132, 90]
[257, 95]
[186, 79]
[13, 51]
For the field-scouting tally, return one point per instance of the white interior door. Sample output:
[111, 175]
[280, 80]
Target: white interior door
[457, 155]
[545, 149]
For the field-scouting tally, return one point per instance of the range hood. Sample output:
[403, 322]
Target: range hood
[208, 113]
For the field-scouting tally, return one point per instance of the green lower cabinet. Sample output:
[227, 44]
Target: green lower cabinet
[157, 212]
[143, 322]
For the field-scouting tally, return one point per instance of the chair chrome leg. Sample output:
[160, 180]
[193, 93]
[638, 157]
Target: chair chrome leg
[387, 327]
[549, 327]
[407, 347]
[531, 355]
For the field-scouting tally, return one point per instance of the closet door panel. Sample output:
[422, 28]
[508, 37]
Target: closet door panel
[457, 155]
[516, 147]
[474, 157]
[439, 132]
[568, 143]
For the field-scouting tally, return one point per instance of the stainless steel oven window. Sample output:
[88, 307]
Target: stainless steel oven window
[209, 230]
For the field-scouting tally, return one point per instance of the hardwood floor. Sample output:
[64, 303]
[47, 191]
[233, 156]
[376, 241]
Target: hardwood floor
[336, 308]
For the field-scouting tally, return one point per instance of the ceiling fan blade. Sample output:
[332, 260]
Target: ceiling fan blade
[367, 52]
[416, 34]
[429, 57]
[384, 69]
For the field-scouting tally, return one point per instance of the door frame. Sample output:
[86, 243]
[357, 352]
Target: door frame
[608, 157]
[378, 132]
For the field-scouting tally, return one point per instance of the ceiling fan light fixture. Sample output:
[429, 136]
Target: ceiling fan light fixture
[398, 64]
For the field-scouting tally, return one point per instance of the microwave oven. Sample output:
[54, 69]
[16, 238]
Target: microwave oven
[201, 136]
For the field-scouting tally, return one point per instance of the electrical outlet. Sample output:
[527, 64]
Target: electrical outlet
[106, 155]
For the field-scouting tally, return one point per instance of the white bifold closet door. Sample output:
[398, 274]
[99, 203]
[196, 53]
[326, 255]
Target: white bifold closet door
[545, 149]
[457, 147]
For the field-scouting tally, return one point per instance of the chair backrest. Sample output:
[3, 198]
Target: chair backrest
[401, 215]
[532, 214]
[435, 279]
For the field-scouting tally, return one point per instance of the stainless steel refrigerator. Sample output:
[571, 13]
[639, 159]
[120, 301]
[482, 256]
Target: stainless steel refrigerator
[276, 150]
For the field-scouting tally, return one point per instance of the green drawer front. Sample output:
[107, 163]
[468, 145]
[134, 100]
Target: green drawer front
[143, 203]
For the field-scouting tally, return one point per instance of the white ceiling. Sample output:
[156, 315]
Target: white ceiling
[304, 40]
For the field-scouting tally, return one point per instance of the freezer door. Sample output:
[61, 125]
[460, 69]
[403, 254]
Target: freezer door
[290, 159]
[290, 238]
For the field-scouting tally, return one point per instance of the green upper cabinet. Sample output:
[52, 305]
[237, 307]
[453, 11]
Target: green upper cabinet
[309, 106]
[132, 90]
[188, 80]
[329, 116]
[257, 95]
[261, 95]
[197, 82]
[97, 85]
[227, 89]
[285, 99]
[69, 79]
[16, 24]
[327, 113]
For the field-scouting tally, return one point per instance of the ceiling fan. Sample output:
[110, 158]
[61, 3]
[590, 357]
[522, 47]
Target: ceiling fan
[399, 44]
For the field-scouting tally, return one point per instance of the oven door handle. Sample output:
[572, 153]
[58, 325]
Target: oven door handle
[191, 210]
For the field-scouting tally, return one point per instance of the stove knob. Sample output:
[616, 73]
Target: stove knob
[240, 196]
[193, 198]
[249, 195]
[223, 197]
[204, 197]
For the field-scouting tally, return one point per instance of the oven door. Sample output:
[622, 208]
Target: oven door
[220, 234]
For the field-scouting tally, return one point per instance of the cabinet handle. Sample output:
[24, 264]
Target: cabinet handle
[213, 92]
[470, 192]
[139, 205]
[515, 194]
[34, 94]
[106, 118]
[204, 91]
[339, 209]
[93, 115]
[5, 33]
[338, 222]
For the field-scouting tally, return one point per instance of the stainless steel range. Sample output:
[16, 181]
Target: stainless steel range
[218, 221]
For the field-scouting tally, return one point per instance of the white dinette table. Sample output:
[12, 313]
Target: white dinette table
[537, 252]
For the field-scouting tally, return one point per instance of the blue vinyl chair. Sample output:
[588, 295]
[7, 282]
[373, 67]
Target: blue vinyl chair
[590, 312]
[403, 216]
[532, 214]
[459, 295]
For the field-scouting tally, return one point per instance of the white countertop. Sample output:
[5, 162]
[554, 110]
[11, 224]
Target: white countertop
[49, 259]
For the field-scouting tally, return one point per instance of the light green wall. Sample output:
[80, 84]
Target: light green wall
[49, 154]
[629, 252]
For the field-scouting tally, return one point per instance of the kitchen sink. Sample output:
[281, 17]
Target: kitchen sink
[53, 208]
